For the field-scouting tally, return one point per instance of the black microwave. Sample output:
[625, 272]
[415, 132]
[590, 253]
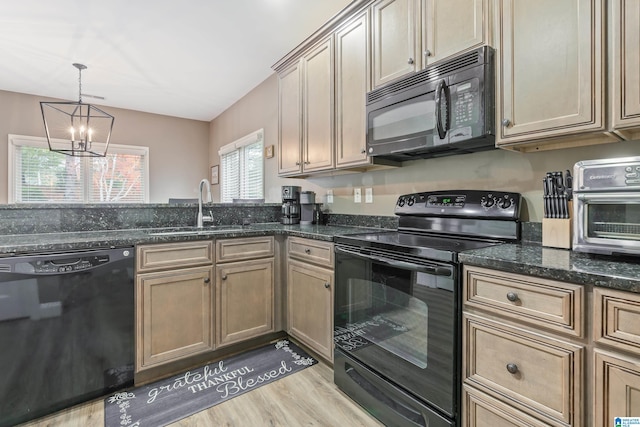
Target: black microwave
[445, 109]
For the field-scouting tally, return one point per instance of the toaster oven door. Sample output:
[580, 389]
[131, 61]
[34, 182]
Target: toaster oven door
[607, 223]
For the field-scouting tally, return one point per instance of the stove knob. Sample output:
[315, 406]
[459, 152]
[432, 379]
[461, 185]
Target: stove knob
[487, 202]
[411, 201]
[401, 202]
[505, 203]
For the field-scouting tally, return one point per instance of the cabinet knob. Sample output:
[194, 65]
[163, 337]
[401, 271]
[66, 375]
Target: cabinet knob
[506, 122]
[207, 280]
[410, 61]
[363, 151]
[297, 163]
[224, 277]
[512, 296]
[427, 52]
[307, 163]
[327, 285]
[512, 368]
[307, 251]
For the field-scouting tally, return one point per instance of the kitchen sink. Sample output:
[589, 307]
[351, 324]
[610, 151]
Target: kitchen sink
[191, 231]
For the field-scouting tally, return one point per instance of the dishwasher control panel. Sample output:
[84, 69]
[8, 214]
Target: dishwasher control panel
[63, 263]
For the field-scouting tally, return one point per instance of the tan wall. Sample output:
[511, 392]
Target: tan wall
[178, 148]
[495, 170]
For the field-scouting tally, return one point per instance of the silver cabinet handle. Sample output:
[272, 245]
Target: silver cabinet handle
[224, 277]
[363, 151]
[410, 61]
[512, 296]
[327, 285]
[506, 122]
[297, 163]
[512, 368]
[307, 251]
[427, 52]
[207, 280]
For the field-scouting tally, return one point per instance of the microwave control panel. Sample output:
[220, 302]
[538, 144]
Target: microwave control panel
[608, 174]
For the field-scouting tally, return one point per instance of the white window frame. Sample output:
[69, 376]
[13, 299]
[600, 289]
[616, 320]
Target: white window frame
[34, 141]
[239, 145]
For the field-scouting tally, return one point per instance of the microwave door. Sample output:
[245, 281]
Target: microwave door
[402, 126]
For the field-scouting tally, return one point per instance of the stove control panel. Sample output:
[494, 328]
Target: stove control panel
[461, 203]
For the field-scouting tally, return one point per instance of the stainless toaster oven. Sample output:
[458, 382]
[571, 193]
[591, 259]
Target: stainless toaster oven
[607, 206]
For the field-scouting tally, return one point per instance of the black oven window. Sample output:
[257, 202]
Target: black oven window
[388, 308]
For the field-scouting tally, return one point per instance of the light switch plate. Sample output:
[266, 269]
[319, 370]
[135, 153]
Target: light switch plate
[329, 196]
[357, 195]
[368, 195]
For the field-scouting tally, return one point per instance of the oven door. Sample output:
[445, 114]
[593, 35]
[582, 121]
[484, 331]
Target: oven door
[397, 316]
[607, 223]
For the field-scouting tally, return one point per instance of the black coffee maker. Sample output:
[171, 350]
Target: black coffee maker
[290, 205]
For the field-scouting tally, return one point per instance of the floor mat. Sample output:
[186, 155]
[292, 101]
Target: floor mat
[169, 400]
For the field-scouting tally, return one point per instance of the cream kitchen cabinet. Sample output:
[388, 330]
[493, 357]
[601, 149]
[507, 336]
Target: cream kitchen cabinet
[306, 102]
[624, 54]
[550, 75]
[353, 81]
[174, 302]
[523, 350]
[244, 289]
[616, 332]
[310, 294]
[453, 26]
[409, 35]
[395, 35]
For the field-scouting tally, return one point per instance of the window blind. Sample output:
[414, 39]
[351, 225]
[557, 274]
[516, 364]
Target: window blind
[37, 175]
[242, 168]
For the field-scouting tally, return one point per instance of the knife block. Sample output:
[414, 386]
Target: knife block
[557, 232]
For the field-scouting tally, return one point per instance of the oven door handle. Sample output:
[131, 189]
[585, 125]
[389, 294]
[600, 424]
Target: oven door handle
[429, 269]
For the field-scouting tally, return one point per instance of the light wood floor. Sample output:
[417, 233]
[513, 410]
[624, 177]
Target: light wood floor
[306, 398]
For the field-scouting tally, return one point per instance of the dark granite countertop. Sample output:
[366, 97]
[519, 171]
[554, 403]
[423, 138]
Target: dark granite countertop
[56, 242]
[558, 264]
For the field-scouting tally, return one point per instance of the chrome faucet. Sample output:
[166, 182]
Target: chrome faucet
[200, 219]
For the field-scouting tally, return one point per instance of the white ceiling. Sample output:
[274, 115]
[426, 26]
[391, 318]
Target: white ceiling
[191, 58]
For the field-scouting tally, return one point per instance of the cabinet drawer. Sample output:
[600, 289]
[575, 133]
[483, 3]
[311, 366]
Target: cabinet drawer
[173, 255]
[315, 251]
[541, 302]
[536, 374]
[241, 249]
[616, 318]
[481, 410]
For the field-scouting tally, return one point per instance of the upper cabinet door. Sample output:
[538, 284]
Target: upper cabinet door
[290, 120]
[352, 84]
[550, 69]
[396, 40]
[452, 26]
[624, 36]
[318, 108]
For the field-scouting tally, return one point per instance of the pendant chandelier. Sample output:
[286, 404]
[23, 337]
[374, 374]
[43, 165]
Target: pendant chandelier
[75, 128]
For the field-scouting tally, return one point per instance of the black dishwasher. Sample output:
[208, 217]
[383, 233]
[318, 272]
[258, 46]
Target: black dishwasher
[66, 330]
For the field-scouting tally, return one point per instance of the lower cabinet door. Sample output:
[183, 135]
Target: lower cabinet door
[310, 306]
[244, 300]
[174, 312]
[481, 410]
[617, 387]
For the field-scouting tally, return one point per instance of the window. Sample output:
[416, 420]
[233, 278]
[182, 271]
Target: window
[37, 175]
[242, 168]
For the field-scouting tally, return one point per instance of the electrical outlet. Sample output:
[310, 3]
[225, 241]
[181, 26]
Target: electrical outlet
[368, 195]
[329, 196]
[357, 195]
